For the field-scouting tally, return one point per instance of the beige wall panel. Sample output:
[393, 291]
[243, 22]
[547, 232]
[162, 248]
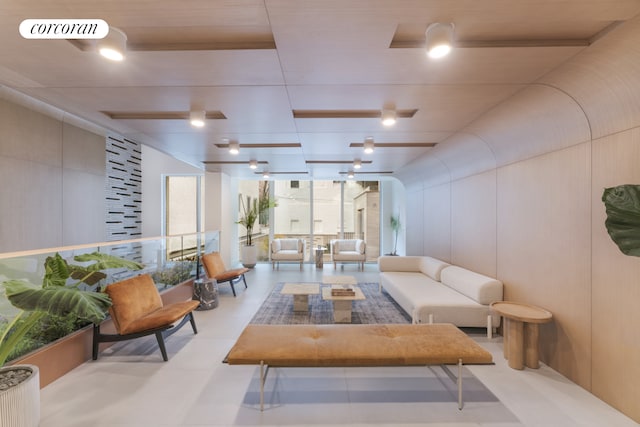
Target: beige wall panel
[437, 222]
[536, 120]
[83, 186]
[83, 151]
[415, 223]
[217, 187]
[29, 136]
[544, 240]
[83, 206]
[473, 223]
[30, 196]
[605, 80]
[616, 283]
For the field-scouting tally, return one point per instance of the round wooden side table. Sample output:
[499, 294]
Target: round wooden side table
[521, 332]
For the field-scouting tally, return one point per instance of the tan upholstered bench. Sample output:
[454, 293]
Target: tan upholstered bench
[356, 345]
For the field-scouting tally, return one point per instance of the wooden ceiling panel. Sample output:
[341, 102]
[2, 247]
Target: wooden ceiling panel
[278, 56]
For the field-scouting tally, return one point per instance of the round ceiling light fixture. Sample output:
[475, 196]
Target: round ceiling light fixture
[439, 40]
[368, 145]
[114, 45]
[197, 117]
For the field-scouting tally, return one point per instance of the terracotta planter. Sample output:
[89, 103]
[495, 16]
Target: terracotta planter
[20, 404]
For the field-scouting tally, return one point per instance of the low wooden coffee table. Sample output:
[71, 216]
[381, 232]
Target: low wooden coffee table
[342, 304]
[300, 292]
[521, 332]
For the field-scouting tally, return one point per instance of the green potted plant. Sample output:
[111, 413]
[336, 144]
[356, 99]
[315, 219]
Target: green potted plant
[395, 226]
[20, 384]
[251, 212]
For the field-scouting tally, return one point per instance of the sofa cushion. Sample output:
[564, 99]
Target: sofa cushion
[290, 244]
[418, 264]
[478, 287]
[348, 245]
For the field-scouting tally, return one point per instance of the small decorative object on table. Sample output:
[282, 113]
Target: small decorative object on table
[342, 291]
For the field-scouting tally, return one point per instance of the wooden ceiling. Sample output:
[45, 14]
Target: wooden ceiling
[305, 78]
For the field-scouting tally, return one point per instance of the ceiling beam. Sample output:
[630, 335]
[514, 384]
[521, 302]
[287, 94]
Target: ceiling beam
[158, 115]
[396, 144]
[348, 114]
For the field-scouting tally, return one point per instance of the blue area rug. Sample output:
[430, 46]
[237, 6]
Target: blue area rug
[378, 307]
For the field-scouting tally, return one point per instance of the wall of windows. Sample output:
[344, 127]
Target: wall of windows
[318, 212]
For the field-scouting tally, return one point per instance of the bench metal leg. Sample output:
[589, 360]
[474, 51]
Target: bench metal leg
[457, 380]
[263, 378]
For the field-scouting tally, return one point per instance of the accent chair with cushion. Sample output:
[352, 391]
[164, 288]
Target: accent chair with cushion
[137, 310]
[215, 269]
[288, 250]
[349, 250]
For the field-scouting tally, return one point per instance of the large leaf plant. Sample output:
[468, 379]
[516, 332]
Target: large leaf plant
[58, 297]
[622, 204]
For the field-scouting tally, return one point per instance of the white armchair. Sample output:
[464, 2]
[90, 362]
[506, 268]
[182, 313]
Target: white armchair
[349, 250]
[288, 250]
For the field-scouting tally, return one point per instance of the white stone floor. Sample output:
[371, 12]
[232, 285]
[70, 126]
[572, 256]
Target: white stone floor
[130, 385]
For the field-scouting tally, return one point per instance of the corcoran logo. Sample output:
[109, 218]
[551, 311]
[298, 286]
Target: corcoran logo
[64, 29]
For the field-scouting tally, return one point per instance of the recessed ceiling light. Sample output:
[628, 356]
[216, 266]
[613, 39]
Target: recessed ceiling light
[234, 147]
[114, 45]
[388, 117]
[368, 145]
[439, 40]
[197, 117]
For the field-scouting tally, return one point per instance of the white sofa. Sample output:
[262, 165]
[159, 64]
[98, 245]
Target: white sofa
[288, 250]
[349, 250]
[433, 291]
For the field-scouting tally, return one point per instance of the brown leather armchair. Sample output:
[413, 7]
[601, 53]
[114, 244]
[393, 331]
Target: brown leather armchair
[137, 311]
[215, 269]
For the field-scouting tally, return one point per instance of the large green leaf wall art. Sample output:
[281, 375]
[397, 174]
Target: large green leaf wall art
[622, 204]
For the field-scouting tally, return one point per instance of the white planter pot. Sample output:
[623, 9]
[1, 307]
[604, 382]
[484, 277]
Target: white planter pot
[20, 404]
[249, 256]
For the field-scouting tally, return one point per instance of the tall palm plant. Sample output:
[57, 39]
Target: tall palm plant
[248, 219]
[395, 226]
[256, 211]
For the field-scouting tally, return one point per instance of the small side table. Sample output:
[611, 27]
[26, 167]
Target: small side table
[521, 332]
[320, 256]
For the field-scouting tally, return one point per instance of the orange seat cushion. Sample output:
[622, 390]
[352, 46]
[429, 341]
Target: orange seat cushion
[215, 268]
[164, 316]
[137, 306]
[356, 345]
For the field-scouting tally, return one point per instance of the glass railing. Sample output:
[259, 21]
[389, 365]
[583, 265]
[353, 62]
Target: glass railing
[170, 260]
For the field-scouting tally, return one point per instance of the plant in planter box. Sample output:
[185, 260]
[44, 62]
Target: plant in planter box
[19, 384]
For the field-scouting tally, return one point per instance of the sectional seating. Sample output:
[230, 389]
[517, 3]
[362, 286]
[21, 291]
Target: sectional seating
[431, 290]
